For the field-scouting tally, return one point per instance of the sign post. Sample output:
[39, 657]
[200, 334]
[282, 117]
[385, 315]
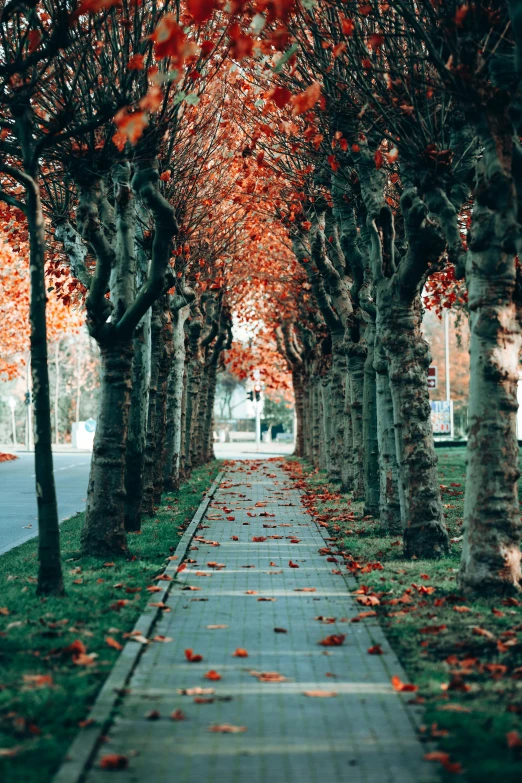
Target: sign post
[433, 377]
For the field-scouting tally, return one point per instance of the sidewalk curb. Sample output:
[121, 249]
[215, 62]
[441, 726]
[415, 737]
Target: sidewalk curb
[84, 747]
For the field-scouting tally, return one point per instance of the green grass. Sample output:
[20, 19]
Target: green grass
[455, 666]
[40, 721]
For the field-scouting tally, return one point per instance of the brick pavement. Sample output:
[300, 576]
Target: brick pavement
[364, 734]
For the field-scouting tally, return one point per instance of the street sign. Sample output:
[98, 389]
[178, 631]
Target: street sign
[433, 377]
[441, 417]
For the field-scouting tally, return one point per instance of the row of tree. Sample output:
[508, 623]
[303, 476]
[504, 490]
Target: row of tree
[411, 169]
[310, 168]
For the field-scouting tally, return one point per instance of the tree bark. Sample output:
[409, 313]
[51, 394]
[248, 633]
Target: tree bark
[175, 399]
[336, 407]
[491, 555]
[50, 581]
[137, 434]
[389, 503]
[161, 400]
[370, 436]
[104, 534]
[425, 534]
[150, 447]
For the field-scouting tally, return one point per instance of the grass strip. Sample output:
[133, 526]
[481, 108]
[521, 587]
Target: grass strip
[55, 653]
[464, 655]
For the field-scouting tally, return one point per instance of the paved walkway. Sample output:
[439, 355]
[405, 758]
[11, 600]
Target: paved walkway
[363, 734]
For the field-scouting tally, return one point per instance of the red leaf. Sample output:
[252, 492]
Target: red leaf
[280, 95]
[200, 10]
[113, 643]
[402, 687]
[114, 761]
[191, 657]
[306, 100]
[335, 640]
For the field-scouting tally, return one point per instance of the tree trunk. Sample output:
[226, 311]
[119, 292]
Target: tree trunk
[175, 399]
[104, 530]
[347, 466]
[336, 407]
[299, 395]
[356, 361]
[316, 420]
[425, 534]
[389, 504]
[50, 580]
[161, 400]
[370, 437]
[491, 555]
[324, 418]
[150, 447]
[56, 391]
[182, 459]
[137, 435]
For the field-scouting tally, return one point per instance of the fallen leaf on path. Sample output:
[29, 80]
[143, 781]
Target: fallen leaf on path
[138, 637]
[320, 694]
[266, 599]
[227, 728]
[292, 565]
[160, 638]
[240, 653]
[305, 589]
[212, 675]
[215, 627]
[268, 676]
[368, 600]
[257, 539]
[250, 592]
[454, 708]
[114, 761]
[280, 630]
[376, 650]
[191, 657]
[400, 686]
[196, 691]
[334, 640]
[153, 715]
[178, 715]
[181, 568]
[325, 620]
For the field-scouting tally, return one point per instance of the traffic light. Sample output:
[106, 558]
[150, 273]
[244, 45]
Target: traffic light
[250, 396]
[257, 390]
[27, 397]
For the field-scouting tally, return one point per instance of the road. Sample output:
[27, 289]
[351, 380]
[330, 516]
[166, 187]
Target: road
[18, 514]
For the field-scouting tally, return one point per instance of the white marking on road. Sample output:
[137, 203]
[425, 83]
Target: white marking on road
[74, 465]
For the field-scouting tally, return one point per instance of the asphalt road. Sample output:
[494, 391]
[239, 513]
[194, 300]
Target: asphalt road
[18, 514]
